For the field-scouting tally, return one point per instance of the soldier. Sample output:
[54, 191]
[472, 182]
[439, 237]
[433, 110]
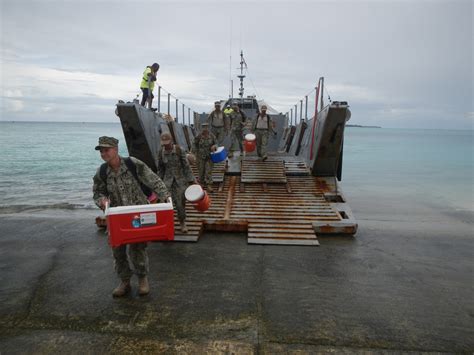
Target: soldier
[237, 124]
[117, 183]
[218, 123]
[262, 127]
[174, 170]
[204, 143]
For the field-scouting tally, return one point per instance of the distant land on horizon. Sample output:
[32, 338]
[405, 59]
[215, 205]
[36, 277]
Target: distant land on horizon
[360, 126]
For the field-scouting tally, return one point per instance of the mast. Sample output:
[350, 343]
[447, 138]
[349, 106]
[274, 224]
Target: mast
[241, 76]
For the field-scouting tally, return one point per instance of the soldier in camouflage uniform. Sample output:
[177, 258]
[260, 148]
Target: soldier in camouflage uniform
[121, 188]
[263, 126]
[204, 143]
[237, 124]
[218, 123]
[174, 170]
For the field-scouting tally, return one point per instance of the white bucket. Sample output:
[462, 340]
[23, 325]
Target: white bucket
[194, 193]
[250, 137]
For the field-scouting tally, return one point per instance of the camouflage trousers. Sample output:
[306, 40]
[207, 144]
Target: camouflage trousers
[205, 170]
[219, 132]
[236, 137]
[179, 200]
[138, 258]
[262, 141]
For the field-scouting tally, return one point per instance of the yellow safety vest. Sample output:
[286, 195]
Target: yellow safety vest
[228, 111]
[144, 83]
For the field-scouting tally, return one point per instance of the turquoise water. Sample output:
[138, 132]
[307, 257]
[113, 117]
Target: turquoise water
[52, 164]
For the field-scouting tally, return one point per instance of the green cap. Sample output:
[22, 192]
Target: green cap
[107, 142]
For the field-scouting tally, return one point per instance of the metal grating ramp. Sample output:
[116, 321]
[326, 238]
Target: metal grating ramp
[196, 220]
[254, 170]
[218, 171]
[295, 167]
[282, 214]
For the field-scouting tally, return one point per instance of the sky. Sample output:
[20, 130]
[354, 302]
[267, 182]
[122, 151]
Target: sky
[399, 64]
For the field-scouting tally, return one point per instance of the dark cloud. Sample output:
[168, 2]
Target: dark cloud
[399, 64]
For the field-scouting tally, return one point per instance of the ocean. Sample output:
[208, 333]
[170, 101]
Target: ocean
[51, 165]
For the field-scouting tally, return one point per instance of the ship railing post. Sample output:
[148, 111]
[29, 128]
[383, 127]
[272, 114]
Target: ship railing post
[296, 113]
[169, 103]
[306, 108]
[177, 111]
[189, 116]
[291, 117]
[301, 110]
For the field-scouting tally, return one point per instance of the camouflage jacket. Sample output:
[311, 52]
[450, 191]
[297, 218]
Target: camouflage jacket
[237, 120]
[173, 166]
[122, 189]
[202, 146]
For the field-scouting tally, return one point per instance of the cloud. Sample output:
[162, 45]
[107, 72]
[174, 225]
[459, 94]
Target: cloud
[378, 56]
[14, 105]
[13, 93]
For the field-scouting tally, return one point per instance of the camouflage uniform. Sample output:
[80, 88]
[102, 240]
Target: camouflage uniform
[218, 125]
[122, 189]
[237, 123]
[262, 128]
[174, 170]
[202, 150]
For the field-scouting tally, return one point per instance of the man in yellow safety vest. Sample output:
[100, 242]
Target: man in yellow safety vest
[148, 83]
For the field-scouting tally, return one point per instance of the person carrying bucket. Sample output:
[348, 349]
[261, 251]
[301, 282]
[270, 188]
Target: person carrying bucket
[263, 126]
[237, 124]
[218, 123]
[204, 143]
[173, 168]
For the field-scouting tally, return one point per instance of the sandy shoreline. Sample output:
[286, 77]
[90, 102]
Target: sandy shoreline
[404, 283]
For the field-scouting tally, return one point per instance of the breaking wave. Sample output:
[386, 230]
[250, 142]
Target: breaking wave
[7, 209]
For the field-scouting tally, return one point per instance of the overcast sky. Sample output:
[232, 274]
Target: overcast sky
[397, 63]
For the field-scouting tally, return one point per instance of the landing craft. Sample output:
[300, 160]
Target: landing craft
[289, 199]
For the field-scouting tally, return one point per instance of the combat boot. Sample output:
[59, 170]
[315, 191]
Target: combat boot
[184, 227]
[143, 286]
[122, 289]
[209, 188]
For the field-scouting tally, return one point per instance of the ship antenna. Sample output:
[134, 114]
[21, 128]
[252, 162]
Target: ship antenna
[242, 76]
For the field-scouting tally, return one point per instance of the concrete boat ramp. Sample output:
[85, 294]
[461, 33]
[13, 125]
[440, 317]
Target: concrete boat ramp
[404, 285]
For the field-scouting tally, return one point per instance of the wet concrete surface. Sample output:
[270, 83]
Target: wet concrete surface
[405, 283]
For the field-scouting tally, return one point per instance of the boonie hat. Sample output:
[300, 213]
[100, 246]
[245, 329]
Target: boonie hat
[107, 142]
[166, 138]
[217, 103]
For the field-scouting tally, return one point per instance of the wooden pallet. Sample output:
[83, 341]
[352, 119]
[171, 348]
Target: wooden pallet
[254, 170]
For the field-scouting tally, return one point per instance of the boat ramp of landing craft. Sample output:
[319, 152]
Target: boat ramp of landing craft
[289, 199]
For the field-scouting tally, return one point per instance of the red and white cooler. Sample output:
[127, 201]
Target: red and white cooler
[140, 223]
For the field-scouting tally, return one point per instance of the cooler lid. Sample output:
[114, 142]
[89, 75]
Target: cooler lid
[153, 207]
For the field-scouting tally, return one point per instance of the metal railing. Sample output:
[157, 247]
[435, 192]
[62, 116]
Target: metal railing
[180, 111]
[306, 108]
